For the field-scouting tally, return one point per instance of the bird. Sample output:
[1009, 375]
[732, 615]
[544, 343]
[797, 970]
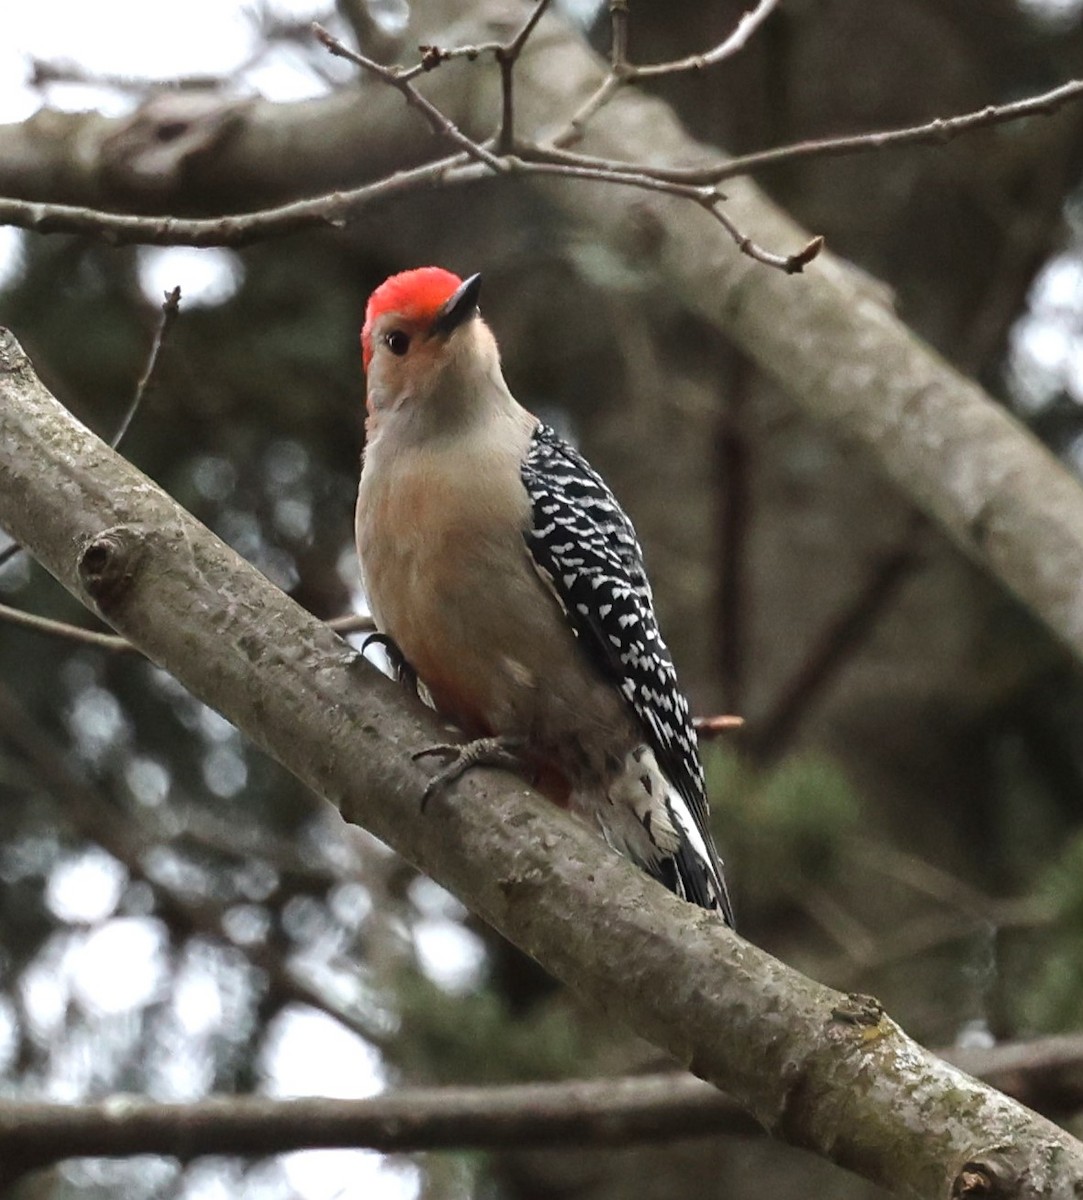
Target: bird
[505, 576]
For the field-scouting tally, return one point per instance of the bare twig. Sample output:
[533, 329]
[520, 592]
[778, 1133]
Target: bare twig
[44, 71]
[170, 306]
[737, 40]
[621, 71]
[400, 80]
[708, 198]
[709, 728]
[96, 818]
[931, 133]
[507, 56]
[353, 623]
[332, 210]
[73, 633]
[837, 645]
[804, 1067]
[504, 162]
[618, 14]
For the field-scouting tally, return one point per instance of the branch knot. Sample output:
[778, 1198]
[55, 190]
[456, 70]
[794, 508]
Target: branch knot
[982, 1179]
[108, 563]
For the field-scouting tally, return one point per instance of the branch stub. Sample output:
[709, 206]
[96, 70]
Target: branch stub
[107, 565]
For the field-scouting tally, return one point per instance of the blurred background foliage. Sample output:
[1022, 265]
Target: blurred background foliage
[901, 814]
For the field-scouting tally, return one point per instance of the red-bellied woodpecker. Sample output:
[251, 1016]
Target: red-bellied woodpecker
[510, 580]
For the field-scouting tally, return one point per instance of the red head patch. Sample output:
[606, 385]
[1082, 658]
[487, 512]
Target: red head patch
[417, 295]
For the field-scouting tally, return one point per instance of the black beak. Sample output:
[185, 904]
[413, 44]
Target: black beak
[462, 305]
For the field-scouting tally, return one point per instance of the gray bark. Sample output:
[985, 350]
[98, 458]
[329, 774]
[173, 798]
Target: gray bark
[826, 337]
[824, 1071]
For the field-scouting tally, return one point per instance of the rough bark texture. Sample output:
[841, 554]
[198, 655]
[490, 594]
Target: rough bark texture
[830, 340]
[636, 1109]
[826, 337]
[823, 1071]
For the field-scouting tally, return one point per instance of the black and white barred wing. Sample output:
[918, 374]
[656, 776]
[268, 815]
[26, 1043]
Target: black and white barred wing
[586, 547]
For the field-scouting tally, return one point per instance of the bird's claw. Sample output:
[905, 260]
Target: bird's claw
[483, 752]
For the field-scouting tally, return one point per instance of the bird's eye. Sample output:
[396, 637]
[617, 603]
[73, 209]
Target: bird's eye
[397, 342]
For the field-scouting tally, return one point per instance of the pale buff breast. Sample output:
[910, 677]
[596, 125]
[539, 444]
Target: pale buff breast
[451, 580]
[439, 534]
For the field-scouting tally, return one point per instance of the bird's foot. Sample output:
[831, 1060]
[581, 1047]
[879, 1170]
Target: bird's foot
[401, 669]
[462, 757]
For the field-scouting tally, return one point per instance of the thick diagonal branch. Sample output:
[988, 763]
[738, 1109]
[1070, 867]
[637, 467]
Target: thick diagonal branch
[824, 1071]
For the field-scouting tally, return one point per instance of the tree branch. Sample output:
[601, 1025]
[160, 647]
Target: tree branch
[840, 354]
[170, 308]
[837, 644]
[931, 133]
[242, 229]
[824, 1071]
[523, 159]
[625, 1111]
[583, 1112]
[353, 623]
[130, 844]
[621, 71]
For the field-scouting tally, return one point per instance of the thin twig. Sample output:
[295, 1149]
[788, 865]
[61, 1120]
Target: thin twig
[337, 209]
[433, 56]
[621, 71]
[170, 306]
[737, 40]
[708, 198]
[73, 633]
[96, 819]
[710, 727]
[400, 80]
[837, 644]
[618, 69]
[935, 132]
[707, 727]
[618, 13]
[596, 100]
[507, 56]
[43, 71]
[354, 623]
[503, 162]
[331, 210]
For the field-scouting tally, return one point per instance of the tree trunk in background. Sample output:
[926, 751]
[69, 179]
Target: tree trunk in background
[719, 467]
[762, 530]
[956, 237]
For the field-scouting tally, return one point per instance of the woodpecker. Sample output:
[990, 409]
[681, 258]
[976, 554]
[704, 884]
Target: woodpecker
[509, 580]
